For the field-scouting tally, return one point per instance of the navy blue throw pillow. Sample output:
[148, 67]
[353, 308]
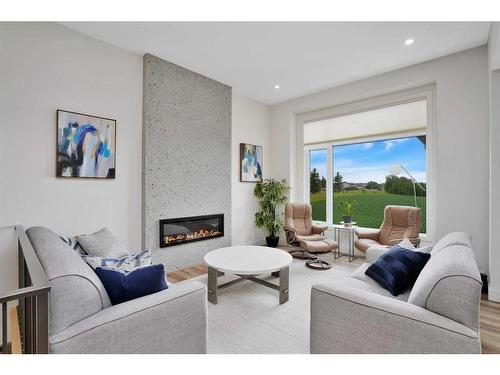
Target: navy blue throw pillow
[398, 269]
[124, 286]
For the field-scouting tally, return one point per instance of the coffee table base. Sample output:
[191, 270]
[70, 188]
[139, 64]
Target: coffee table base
[282, 288]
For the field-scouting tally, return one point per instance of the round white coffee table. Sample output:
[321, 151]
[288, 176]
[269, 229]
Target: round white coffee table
[248, 262]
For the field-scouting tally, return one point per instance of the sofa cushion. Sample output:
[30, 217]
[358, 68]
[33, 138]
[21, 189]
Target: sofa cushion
[127, 263]
[397, 269]
[125, 286]
[451, 239]
[450, 285]
[369, 285]
[76, 291]
[102, 244]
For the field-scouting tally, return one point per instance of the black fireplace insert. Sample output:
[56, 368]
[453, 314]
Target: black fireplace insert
[189, 229]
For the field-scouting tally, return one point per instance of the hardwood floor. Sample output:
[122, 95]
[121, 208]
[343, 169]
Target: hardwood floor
[490, 326]
[489, 313]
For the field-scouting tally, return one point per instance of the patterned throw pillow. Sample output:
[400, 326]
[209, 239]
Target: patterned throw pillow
[73, 243]
[127, 263]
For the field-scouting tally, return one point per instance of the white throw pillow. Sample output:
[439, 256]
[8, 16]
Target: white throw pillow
[102, 244]
[406, 244]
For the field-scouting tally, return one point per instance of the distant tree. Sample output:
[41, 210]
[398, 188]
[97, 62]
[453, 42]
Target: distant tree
[372, 185]
[323, 182]
[337, 182]
[402, 186]
[315, 181]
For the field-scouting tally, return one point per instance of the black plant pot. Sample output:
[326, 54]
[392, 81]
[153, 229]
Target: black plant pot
[272, 241]
[347, 219]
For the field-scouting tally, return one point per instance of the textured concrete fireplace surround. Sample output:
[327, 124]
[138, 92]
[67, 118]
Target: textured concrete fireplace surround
[186, 156]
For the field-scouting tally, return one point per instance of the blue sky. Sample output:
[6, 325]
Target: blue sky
[371, 161]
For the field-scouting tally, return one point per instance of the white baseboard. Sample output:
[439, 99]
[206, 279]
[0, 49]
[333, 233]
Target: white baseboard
[493, 294]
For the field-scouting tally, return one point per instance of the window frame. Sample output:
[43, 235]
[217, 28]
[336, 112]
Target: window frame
[303, 163]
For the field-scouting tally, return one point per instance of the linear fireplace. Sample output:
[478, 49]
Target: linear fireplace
[189, 229]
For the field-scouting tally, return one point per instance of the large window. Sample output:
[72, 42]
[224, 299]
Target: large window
[369, 172]
[317, 183]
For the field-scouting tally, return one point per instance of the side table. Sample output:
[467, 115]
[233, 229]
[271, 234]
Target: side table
[337, 234]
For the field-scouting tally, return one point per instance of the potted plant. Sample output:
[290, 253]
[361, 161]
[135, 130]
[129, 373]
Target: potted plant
[271, 194]
[348, 207]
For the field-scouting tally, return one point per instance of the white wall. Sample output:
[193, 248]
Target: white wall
[494, 250]
[43, 67]
[494, 46]
[461, 135]
[250, 124]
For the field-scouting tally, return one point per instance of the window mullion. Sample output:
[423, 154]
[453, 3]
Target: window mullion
[329, 186]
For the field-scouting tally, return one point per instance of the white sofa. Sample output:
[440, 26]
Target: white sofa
[440, 314]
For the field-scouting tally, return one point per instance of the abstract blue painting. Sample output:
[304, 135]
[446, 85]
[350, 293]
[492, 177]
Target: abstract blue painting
[250, 163]
[86, 146]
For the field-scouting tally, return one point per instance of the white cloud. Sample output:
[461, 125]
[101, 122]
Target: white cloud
[390, 144]
[367, 146]
[376, 173]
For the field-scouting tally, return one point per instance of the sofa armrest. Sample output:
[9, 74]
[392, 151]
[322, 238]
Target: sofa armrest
[286, 228]
[373, 253]
[171, 321]
[318, 229]
[348, 320]
[371, 234]
[414, 240]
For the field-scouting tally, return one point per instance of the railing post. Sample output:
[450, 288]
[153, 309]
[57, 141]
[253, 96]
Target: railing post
[4, 328]
[42, 324]
[27, 328]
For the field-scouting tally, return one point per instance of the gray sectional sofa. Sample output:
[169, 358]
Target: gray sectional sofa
[82, 320]
[440, 314]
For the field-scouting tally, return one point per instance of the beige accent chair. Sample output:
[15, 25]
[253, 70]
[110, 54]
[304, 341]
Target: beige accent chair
[299, 227]
[400, 222]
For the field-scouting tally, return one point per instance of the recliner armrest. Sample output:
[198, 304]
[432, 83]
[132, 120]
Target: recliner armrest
[371, 234]
[286, 228]
[318, 229]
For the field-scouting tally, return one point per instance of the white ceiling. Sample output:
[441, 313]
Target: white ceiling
[302, 57]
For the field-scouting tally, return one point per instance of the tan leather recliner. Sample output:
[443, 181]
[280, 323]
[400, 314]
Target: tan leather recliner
[299, 226]
[400, 222]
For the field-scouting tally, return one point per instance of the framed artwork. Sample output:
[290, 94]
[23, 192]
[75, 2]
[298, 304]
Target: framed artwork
[250, 163]
[86, 146]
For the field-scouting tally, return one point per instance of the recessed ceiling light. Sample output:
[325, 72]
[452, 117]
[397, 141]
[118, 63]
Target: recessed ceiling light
[409, 42]
[276, 87]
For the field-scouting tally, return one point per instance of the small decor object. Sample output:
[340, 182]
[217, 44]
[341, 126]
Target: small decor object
[348, 207]
[271, 194]
[123, 286]
[250, 163]
[398, 269]
[86, 146]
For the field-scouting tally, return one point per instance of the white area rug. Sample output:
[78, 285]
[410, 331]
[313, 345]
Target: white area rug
[249, 319]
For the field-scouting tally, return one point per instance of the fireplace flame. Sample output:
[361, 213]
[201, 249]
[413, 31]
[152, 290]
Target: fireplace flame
[191, 236]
